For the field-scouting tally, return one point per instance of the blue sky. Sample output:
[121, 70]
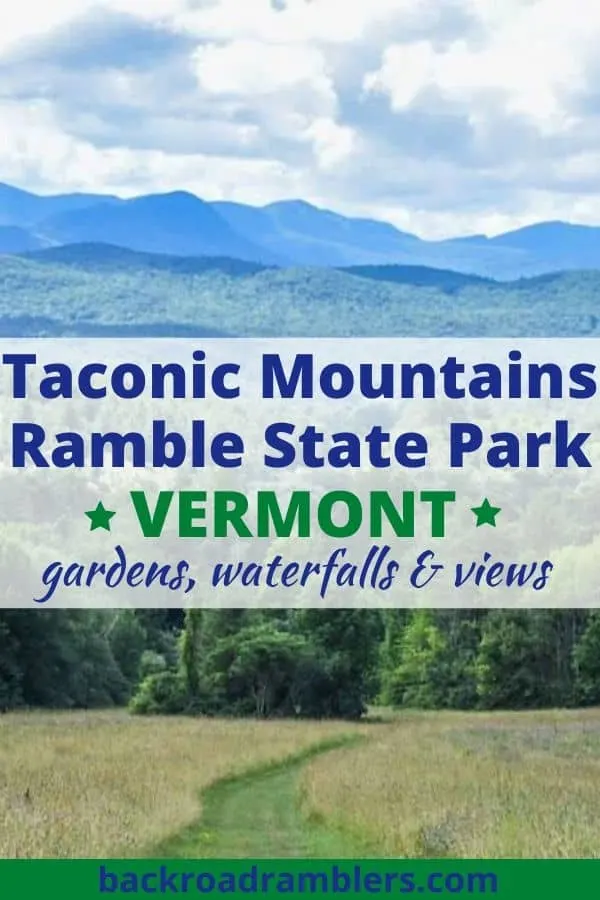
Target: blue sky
[442, 116]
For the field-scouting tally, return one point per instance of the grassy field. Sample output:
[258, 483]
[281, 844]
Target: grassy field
[101, 784]
[429, 784]
[467, 785]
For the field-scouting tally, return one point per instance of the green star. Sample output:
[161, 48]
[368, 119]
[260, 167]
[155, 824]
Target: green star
[486, 513]
[100, 517]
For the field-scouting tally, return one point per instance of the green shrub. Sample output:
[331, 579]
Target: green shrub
[163, 692]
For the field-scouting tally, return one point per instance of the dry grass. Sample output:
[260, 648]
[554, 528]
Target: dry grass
[101, 784]
[468, 785]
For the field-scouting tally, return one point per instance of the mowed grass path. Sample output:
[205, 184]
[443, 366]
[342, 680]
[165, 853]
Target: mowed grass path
[468, 785]
[108, 784]
[427, 785]
[260, 815]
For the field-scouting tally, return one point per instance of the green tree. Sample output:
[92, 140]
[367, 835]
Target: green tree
[348, 640]
[127, 639]
[586, 661]
[514, 661]
[420, 678]
[191, 651]
[254, 671]
[10, 672]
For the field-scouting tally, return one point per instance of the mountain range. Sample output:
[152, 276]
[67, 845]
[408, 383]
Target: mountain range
[286, 234]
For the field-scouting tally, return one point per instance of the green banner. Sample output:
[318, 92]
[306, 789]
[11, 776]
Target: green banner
[83, 879]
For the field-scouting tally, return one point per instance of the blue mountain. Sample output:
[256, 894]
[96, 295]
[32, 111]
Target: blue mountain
[17, 240]
[307, 235]
[572, 246]
[177, 223]
[24, 209]
[289, 233]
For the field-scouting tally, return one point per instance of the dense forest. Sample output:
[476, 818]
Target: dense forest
[102, 291]
[303, 663]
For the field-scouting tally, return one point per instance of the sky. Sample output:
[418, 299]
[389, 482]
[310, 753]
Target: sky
[445, 117]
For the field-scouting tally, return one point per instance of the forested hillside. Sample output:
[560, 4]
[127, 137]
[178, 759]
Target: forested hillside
[90, 290]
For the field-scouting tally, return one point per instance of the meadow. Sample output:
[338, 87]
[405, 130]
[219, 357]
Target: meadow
[467, 785]
[101, 784]
[473, 785]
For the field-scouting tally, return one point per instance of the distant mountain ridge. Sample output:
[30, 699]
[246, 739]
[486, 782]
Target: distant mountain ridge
[111, 258]
[99, 257]
[175, 224]
[286, 234]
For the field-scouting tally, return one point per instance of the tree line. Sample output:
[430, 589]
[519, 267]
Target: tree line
[298, 663]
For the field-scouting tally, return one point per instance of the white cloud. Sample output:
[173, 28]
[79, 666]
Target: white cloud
[248, 68]
[39, 148]
[526, 65]
[31, 18]
[333, 144]
[299, 21]
[442, 115]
